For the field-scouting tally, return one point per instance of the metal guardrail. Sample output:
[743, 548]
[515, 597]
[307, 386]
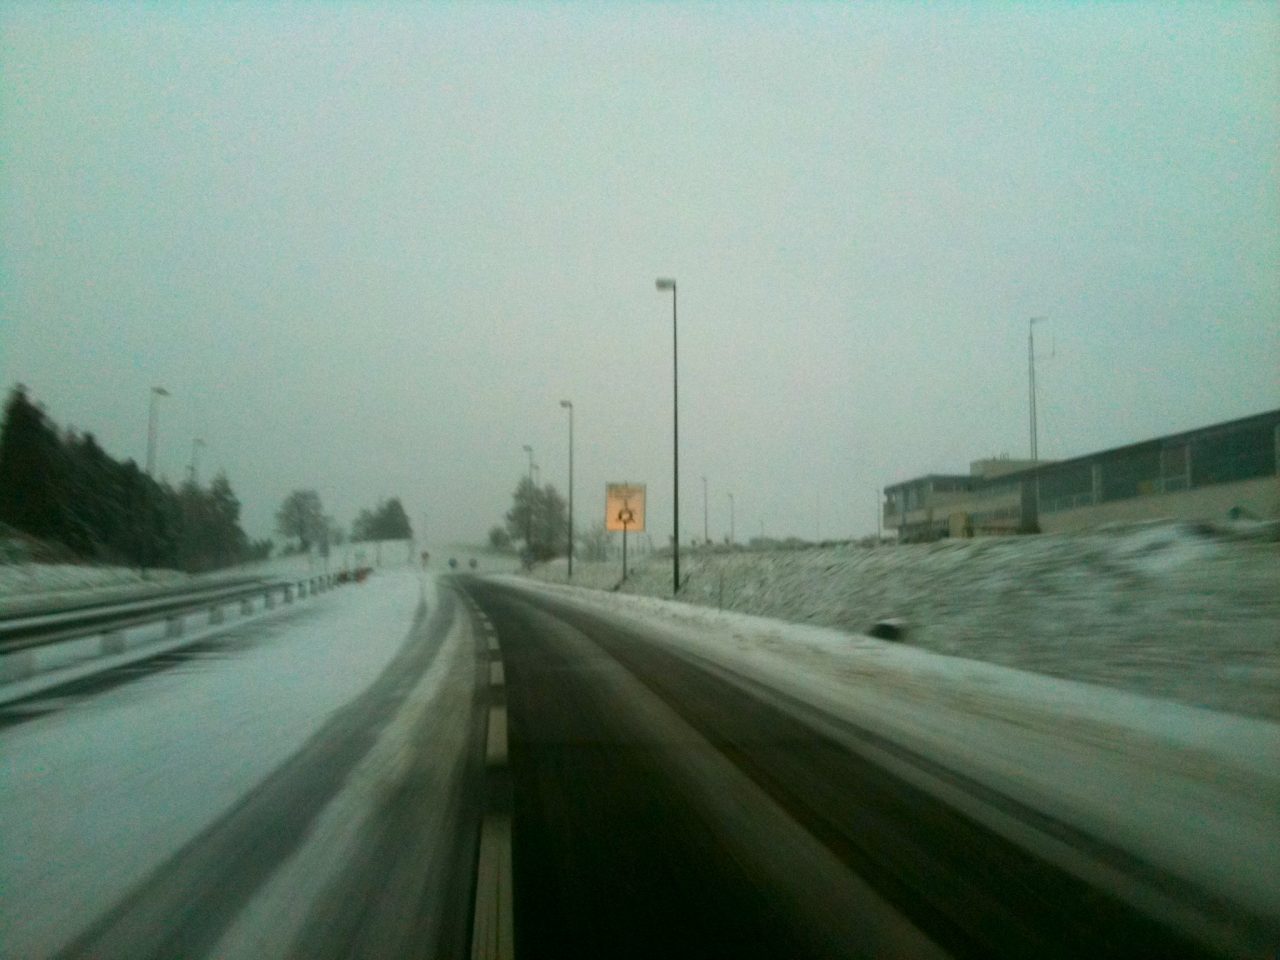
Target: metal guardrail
[21, 637]
[159, 592]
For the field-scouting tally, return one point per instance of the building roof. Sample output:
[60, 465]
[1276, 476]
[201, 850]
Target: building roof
[967, 478]
[1258, 418]
[1166, 440]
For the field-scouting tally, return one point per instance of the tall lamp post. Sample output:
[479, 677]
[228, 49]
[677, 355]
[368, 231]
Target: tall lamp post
[667, 283]
[568, 405]
[196, 444]
[706, 538]
[528, 516]
[732, 535]
[152, 423]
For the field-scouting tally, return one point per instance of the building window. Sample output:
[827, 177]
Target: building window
[1066, 487]
[994, 490]
[1133, 473]
[1233, 455]
[1174, 474]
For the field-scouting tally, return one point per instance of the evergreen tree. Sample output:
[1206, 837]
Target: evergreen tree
[302, 516]
[32, 471]
[539, 517]
[69, 490]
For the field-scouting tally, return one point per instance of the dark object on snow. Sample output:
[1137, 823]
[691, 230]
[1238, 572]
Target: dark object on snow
[892, 629]
[473, 563]
[453, 563]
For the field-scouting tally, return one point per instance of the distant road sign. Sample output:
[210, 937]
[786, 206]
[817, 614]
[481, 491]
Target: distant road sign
[624, 507]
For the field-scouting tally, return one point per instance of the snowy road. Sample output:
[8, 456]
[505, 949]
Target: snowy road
[321, 781]
[296, 785]
[673, 798]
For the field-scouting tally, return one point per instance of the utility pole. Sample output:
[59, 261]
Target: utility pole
[667, 283]
[731, 530]
[152, 423]
[196, 444]
[528, 516]
[1031, 377]
[568, 405]
[706, 538]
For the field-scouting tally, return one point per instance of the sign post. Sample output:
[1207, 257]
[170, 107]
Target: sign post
[624, 510]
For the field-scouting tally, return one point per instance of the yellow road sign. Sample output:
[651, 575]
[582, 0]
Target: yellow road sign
[624, 507]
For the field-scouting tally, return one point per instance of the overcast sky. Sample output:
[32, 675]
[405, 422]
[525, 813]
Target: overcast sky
[369, 248]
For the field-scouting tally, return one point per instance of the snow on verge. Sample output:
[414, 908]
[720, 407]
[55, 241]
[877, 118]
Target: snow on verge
[1178, 611]
[96, 795]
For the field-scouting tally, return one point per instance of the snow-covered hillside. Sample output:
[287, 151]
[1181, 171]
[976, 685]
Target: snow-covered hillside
[1188, 613]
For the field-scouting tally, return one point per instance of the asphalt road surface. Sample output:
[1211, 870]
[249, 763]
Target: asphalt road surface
[651, 805]
[665, 809]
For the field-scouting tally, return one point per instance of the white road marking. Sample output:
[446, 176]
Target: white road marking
[495, 751]
[492, 936]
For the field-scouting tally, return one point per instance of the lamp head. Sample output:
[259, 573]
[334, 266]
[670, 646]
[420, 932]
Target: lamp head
[665, 283]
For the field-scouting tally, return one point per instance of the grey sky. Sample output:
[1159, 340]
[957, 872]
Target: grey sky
[369, 248]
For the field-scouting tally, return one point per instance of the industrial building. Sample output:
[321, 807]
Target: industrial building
[1227, 470]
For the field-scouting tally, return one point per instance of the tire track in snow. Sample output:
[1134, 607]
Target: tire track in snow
[184, 907]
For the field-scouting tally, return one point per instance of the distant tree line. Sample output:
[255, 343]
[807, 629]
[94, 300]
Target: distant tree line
[386, 521]
[64, 487]
[301, 520]
[539, 518]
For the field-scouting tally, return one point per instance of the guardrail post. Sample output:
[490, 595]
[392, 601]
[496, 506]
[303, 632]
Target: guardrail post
[173, 626]
[269, 600]
[17, 665]
[302, 589]
[112, 642]
[288, 593]
[246, 606]
[215, 614]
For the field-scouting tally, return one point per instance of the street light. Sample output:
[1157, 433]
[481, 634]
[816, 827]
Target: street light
[568, 406]
[156, 394]
[528, 517]
[196, 444]
[732, 535]
[706, 538]
[666, 283]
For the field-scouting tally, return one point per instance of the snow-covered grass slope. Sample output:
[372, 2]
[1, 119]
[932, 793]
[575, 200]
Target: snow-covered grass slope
[1188, 613]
